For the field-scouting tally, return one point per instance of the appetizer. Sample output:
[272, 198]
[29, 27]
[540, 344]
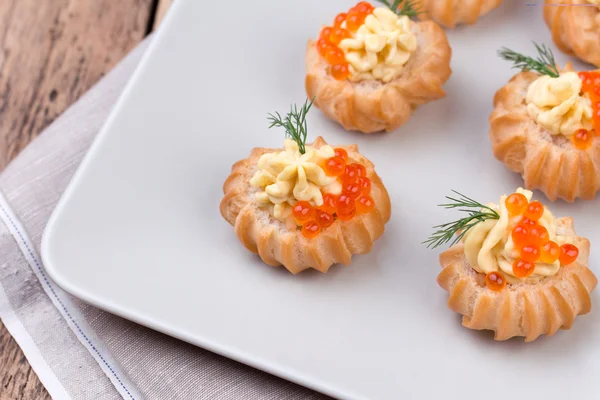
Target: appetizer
[372, 67]
[305, 205]
[545, 126]
[450, 13]
[513, 267]
[575, 26]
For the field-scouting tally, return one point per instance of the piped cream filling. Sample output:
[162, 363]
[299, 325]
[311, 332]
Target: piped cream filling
[488, 246]
[380, 48]
[557, 104]
[286, 177]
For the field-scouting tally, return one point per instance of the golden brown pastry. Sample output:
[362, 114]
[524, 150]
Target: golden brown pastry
[516, 270]
[575, 26]
[373, 68]
[306, 205]
[545, 127]
[450, 13]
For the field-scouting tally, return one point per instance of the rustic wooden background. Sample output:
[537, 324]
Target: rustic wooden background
[51, 52]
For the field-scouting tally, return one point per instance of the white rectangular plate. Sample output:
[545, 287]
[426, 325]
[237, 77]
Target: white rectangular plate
[139, 233]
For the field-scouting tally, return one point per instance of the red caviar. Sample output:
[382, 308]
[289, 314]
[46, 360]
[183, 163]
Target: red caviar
[311, 229]
[495, 281]
[522, 268]
[516, 203]
[530, 253]
[350, 174]
[534, 211]
[364, 204]
[324, 219]
[352, 190]
[338, 35]
[354, 199]
[334, 55]
[340, 71]
[549, 253]
[334, 166]
[339, 20]
[520, 235]
[322, 46]
[329, 203]
[326, 33]
[583, 139]
[339, 152]
[364, 184]
[568, 254]
[345, 204]
[303, 211]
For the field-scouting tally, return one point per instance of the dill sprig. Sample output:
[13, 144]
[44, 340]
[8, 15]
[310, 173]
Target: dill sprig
[294, 123]
[454, 231]
[402, 7]
[543, 64]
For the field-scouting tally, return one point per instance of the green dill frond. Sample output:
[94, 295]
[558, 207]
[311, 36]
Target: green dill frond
[544, 64]
[454, 231]
[402, 7]
[294, 123]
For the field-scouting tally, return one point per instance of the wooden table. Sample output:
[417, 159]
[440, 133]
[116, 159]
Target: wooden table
[51, 52]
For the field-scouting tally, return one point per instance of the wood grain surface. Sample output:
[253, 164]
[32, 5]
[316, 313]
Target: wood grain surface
[51, 52]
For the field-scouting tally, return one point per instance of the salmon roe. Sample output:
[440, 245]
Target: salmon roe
[495, 281]
[364, 204]
[346, 215]
[303, 212]
[364, 184]
[329, 203]
[350, 174]
[345, 204]
[530, 253]
[520, 235]
[338, 35]
[334, 56]
[523, 268]
[516, 203]
[532, 240]
[582, 139]
[361, 171]
[326, 33]
[591, 86]
[334, 166]
[322, 46]
[311, 229]
[352, 190]
[324, 219]
[354, 199]
[340, 71]
[339, 152]
[568, 254]
[339, 20]
[549, 253]
[538, 235]
[331, 36]
[534, 211]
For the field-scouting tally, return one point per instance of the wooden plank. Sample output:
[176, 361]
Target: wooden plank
[16, 377]
[51, 52]
[161, 10]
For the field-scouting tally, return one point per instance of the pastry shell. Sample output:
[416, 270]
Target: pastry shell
[450, 13]
[575, 29]
[523, 309]
[373, 106]
[278, 243]
[550, 163]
